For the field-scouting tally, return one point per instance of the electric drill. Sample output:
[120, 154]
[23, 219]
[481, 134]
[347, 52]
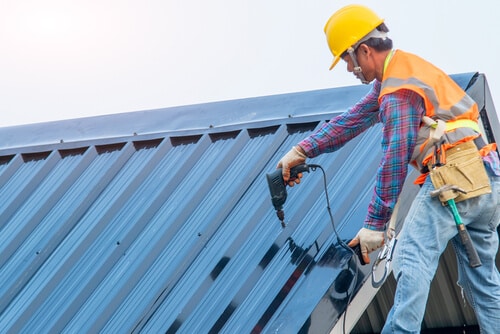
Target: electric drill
[277, 187]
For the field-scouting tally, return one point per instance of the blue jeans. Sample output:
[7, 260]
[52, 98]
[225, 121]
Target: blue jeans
[427, 229]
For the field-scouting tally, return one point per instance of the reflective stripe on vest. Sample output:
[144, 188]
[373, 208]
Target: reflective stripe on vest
[441, 127]
[428, 94]
[462, 123]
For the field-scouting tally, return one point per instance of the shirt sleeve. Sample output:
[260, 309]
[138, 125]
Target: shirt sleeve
[340, 129]
[401, 114]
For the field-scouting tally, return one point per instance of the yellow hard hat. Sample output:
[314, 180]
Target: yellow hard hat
[348, 26]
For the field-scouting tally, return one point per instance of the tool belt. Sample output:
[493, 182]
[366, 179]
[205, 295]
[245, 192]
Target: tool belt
[464, 168]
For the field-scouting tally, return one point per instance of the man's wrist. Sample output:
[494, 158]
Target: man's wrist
[300, 151]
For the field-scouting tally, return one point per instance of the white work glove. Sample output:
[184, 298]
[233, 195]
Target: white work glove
[369, 241]
[293, 158]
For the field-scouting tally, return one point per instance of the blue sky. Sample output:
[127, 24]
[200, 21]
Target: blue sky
[70, 59]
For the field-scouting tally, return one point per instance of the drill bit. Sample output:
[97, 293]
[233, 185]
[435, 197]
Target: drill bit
[281, 216]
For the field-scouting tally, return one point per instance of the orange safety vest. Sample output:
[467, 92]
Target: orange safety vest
[443, 100]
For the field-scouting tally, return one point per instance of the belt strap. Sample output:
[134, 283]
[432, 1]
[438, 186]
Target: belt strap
[480, 143]
[437, 129]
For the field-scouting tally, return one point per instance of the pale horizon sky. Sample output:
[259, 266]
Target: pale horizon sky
[70, 59]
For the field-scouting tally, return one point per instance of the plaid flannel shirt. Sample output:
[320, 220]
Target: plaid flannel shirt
[400, 114]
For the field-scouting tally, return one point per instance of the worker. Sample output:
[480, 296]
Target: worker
[404, 89]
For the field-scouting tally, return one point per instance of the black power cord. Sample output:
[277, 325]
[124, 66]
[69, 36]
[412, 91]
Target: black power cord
[339, 240]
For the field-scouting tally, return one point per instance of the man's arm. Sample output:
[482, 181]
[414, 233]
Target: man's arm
[401, 113]
[340, 129]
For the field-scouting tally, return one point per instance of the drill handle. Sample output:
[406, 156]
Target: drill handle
[294, 171]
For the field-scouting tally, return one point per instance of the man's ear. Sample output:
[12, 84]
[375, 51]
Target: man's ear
[364, 49]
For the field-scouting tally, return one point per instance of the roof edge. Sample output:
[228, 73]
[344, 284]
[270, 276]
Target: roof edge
[197, 118]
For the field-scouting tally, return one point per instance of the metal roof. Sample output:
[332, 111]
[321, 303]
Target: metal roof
[161, 220]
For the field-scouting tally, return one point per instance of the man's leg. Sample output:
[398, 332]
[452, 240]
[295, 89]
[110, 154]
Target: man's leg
[427, 229]
[481, 285]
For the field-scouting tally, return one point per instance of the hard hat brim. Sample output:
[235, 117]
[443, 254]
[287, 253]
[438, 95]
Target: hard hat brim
[335, 61]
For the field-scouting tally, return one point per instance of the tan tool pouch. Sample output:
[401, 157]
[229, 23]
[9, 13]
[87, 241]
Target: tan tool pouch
[464, 168]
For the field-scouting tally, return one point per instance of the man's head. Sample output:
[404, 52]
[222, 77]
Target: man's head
[354, 27]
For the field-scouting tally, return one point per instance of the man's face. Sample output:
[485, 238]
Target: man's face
[350, 66]
[362, 54]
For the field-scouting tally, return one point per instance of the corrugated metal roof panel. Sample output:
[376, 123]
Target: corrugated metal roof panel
[28, 231]
[173, 230]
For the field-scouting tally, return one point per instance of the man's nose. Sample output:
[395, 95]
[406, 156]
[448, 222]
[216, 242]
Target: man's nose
[350, 68]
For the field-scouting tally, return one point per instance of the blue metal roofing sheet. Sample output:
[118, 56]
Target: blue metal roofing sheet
[173, 230]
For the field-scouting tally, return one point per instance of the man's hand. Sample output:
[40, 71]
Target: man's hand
[369, 241]
[391, 233]
[294, 157]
